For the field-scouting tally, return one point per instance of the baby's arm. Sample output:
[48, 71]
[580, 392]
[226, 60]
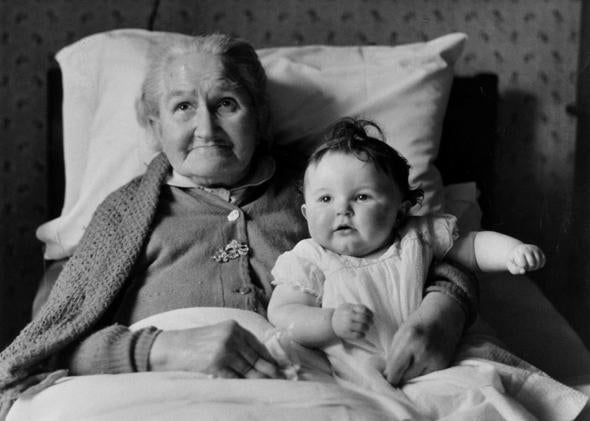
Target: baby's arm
[491, 251]
[311, 325]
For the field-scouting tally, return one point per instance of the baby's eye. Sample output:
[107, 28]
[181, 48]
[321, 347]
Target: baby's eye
[362, 197]
[324, 199]
[226, 105]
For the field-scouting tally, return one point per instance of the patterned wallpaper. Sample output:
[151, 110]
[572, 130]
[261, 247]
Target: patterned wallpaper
[531, 44]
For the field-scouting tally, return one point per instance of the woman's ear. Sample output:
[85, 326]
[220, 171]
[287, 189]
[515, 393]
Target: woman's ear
[154, 132]
[304, 211]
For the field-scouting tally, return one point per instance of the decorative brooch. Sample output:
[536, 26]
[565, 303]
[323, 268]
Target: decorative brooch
[232, 250]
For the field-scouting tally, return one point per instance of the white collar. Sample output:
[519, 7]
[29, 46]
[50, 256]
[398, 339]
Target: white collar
[262, 173]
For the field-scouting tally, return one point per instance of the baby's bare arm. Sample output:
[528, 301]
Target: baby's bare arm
[299, 314]
[490, 251]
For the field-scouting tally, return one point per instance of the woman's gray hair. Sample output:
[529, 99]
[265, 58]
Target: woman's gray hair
[241, 64]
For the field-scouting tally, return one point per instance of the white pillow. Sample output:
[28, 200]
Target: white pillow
[403, 88]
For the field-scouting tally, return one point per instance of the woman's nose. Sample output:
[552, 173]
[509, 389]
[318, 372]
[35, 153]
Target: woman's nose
[204, 123]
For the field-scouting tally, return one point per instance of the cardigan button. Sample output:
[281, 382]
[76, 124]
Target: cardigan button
[243, 290]
[233, 215]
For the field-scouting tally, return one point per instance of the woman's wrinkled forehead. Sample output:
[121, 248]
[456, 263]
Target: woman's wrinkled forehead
[197, 70]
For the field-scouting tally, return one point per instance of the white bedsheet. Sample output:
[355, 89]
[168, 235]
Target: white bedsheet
[182, 396]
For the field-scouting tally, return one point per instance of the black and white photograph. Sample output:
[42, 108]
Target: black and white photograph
[294, 210]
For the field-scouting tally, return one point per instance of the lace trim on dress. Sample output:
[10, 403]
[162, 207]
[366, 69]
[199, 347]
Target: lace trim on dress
[299, 287]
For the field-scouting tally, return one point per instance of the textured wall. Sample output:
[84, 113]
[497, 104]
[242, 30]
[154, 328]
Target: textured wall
[30, 34]
[531, 44]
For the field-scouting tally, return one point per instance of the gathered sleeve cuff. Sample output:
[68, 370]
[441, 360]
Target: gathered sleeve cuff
[112, 350]
[144, 339]
[297, 269]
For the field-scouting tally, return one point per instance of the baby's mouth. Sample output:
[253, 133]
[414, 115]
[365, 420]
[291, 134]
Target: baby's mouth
[343, 227]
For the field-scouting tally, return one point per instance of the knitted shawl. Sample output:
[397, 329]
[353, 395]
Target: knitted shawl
[88, 284]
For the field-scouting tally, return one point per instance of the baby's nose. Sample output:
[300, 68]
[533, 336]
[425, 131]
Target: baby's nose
[344, 209]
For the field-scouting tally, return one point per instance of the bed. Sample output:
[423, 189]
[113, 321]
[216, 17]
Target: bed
[446, 125]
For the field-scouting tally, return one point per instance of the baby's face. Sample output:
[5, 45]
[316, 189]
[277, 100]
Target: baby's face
[350, 206]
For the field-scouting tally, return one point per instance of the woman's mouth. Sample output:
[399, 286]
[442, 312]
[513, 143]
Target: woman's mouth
[213, 149]
[209, 145]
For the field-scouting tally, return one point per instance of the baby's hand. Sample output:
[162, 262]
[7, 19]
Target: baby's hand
[351, 321]
[524, 258]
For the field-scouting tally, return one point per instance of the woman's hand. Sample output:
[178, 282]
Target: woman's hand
[351, 321]
[224, 350]
[427, 340]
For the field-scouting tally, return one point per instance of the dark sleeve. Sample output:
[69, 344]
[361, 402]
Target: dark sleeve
[111, 350]
[456, 282]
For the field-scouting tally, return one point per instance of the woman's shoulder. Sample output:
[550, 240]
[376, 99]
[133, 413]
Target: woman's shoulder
[155, 172]
[122, 195]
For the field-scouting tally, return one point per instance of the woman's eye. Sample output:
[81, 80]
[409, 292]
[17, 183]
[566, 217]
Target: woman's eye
[183, 106]
[227, 105]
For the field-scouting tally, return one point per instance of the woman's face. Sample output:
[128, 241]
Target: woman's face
[206, 126]
[350, 206]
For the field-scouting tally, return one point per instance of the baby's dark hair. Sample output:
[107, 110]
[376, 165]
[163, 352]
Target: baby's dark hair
[351, 136]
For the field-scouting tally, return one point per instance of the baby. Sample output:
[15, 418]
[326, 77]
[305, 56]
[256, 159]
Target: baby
[362, 273]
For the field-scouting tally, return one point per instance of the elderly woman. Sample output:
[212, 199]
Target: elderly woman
[202, 227]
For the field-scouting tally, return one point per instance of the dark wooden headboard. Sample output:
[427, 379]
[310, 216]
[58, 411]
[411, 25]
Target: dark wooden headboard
[469, 135]
[55, 158]
[467, 146]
